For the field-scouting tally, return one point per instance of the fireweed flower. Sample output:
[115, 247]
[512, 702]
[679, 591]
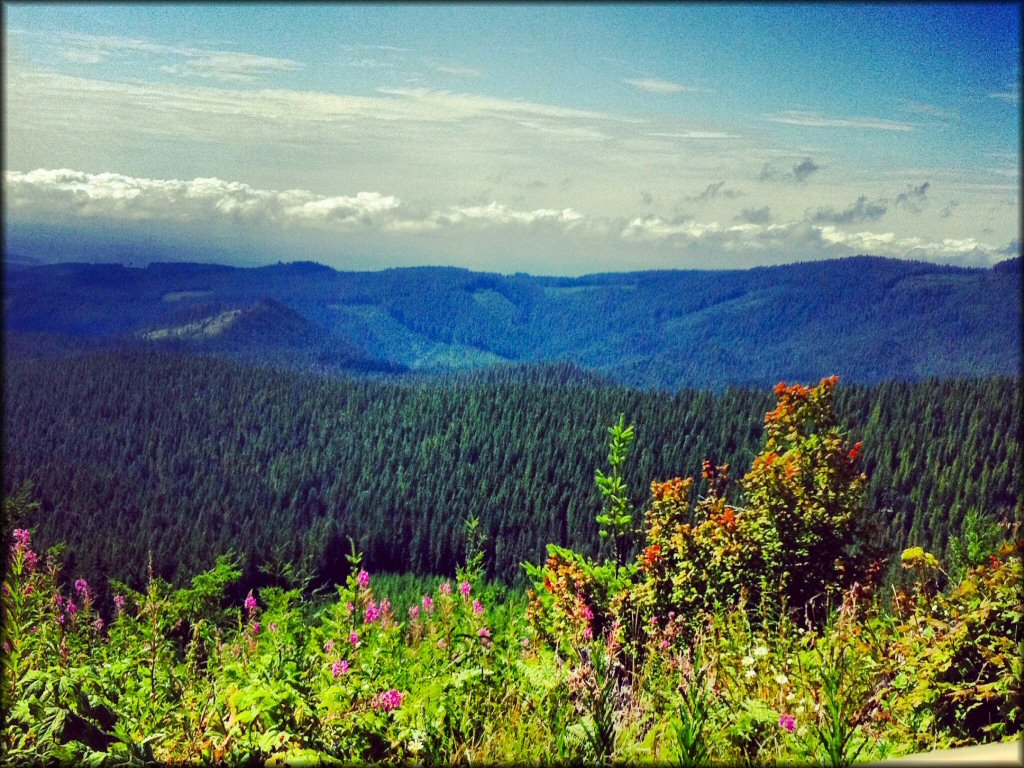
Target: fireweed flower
[372, 613]
[328, 646]
[22, 539]
[81, 587]
[414, 611]
[788, 722]
[364, 579]
[386, 701]
[339, 668]
[31, 560]
[464, 588]
[478, 607]
[445, 589]
[354, 639]
[256, 628]
[119, 602]
[385, 606]
[272, 627]
[428, 603]
[485, 637]
[98, 624]
[72, 609]
[250, 603]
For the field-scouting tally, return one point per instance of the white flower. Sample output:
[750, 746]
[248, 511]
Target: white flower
[781, 679]
[761, 651]
[790, 696]
[748, 661]
[751, 674]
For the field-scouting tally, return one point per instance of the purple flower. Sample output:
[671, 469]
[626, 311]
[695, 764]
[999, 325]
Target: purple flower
[478, 607]
[428, 603]
[386, 701]
[22, 539]
[31, 560]
[485, 637]
[119, 602]
[81, 587]
[588, 634]
[339, 668]
[250, 603]
[445, 589]
[98, 624]
[354, 639]
[256, 628]
[588, 614]
[272, 627]
[464, 588]
[414, 611]
[484, 632]
[72, 609]
[328, 646]
[385, 606]
[372, 613]
[788, 722]
[349, 607]
[364, 579]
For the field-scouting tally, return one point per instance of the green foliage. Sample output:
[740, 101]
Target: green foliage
[616, 520]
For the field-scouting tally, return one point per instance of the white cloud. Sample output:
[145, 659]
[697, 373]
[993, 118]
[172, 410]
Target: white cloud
[183, 60]
[818, 120]
[686, 135]
[653, 85]
[1010, 97]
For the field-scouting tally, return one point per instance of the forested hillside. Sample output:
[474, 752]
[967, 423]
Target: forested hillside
[865, 319]
[132, 451]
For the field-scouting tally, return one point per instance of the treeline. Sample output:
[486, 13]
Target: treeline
[132, 452]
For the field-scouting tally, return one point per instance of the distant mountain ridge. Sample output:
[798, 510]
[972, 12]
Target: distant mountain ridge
[866, 318]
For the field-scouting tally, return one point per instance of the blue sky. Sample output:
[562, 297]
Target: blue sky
[548, 139]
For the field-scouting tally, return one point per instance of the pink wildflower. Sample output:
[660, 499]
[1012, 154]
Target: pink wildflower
[28, 589]
[81, 587]
[478, 607]
[72, 609]
[588, 634]
[414, 611]
[587, 613]
[354, 639]
[256, 628]
[339, 668]
[349, 607]
[31, 560]
[385, 606]
[22, 539]
[464, 588]
[428, 603]
[445, 589]
[272, 627]
[386, 701]
[364, 579]
[485, 637]
[329, 646]
[250, 603]
[372, 613]
[788, 722]
[98, 624]
[119, 602]
[665, 645]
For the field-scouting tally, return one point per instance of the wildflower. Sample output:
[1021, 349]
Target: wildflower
[339, 668]
[464, 588]
[665, 645]
[58, 600]
[748, 661]
[761, 651]
[98, 624]
[349, 607]
[22, 539]
[751, 674]
[588, 634]
[781, 679]
[372, 613]
[428, 603]
[414, 611]
[256, 628]
[445, 589]
[588, 614]
[7, 647]
[354, 639]
[81, 587]
[329, 646]
[788, 722]
[31, 560]
[855, 450]
[28, 589]
[364, 579]
[994, 561]
[385, 606]
[478, 607]
[250, 603]
[386, 701]
[272, 627]
[72, 609]
[119, 602]
[485, 637]
[416, 743]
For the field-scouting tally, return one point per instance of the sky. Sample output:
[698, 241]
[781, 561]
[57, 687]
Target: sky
[549, 139]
